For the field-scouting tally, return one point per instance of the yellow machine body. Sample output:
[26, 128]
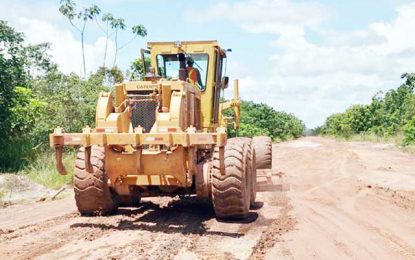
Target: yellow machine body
[159, 132]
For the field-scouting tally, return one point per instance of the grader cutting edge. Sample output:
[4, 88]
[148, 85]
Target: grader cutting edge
[167, 135]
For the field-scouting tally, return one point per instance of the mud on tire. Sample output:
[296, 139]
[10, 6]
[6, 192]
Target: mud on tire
[92, 194]
[263, 150]
[231, 191]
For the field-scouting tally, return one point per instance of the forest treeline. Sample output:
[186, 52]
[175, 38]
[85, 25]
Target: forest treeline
[36, 97]
[389, 114]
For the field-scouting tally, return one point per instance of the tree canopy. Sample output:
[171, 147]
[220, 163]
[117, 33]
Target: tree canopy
[388, 114]
[35, 97]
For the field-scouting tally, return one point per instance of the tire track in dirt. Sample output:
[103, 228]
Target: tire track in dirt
[201, 247]
[9, 234]
[45, 237]
[338, 205]
[277, 228]
[334, 215]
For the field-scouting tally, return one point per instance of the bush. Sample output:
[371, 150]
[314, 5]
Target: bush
[19, 106]
[53, 100]
[261, 119]
[409, 132]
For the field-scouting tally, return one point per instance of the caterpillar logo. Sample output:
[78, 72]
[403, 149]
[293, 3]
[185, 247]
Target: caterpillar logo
[146, 87]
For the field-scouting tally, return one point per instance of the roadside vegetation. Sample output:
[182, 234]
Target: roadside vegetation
[36, 97]
[43, 170]
[389, 117]
[261, 119]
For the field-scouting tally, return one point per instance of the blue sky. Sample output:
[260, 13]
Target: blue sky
[310, 58]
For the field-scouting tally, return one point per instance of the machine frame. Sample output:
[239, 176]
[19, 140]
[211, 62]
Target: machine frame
[177, 150]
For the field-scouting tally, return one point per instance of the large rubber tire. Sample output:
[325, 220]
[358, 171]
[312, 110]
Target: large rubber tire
[263, 151]
[231, 191]
[92, 194]
[252, 168]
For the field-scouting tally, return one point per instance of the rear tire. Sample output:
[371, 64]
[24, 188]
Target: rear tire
[263, 151]
[92, 194]
[251, 175]
[231, 191]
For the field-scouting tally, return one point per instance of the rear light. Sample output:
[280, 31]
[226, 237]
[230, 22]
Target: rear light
[167, 129]
[108, 130]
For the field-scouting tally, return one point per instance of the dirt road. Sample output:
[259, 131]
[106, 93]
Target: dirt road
[345, 200]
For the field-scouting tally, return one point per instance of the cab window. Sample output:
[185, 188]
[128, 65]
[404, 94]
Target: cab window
[168, 65]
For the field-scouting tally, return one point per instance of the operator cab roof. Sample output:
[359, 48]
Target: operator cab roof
[186, 46]
[181, 43]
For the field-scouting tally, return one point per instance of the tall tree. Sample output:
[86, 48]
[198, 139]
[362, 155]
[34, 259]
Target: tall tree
[117, 24]
[137, 30]
[106, 18]
[69, 10]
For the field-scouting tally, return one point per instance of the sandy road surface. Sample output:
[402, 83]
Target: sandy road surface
[346, 200]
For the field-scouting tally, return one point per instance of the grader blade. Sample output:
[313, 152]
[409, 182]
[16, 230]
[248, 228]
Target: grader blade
[269, 180]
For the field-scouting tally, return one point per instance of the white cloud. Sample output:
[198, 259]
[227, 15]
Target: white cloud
[42, 23]
[65, 49]
[399, 33]
[271, 16]
[314, 80]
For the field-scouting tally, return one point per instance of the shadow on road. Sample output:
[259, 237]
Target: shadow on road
[187, 216]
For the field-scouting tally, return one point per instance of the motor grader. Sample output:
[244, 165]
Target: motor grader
[165, 135]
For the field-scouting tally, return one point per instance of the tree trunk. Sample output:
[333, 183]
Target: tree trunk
[106, 46]
[83, 50]
[116, 48]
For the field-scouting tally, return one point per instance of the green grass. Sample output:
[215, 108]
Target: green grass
[408, 148]
[43, 170]
[397, 140]
[2, 193]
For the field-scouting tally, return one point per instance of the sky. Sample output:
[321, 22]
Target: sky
[311, 58]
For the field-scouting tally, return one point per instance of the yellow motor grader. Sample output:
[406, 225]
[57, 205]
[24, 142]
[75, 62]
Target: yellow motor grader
[167, 135]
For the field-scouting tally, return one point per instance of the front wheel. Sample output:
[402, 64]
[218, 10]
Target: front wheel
[92, 194]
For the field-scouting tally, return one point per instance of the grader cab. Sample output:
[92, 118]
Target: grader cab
[166, 135]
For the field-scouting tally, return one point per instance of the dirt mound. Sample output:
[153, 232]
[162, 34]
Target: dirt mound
[19, 189]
